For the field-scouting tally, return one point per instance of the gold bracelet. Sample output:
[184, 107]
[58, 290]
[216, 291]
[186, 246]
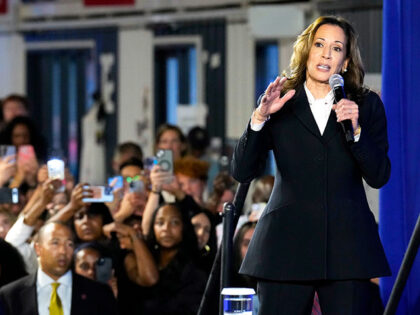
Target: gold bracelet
[264, 119]
[357, 131]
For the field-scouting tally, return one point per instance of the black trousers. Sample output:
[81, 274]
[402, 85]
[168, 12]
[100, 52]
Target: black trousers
[347, 297]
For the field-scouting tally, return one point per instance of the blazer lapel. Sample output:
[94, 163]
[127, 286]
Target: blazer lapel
[332, 127]
[303, 112]
[29, 296]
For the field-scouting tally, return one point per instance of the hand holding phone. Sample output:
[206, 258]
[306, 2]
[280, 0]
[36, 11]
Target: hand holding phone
[164, 158]
[103, 269]
[8, 152]
[9, 195]
[100, 194]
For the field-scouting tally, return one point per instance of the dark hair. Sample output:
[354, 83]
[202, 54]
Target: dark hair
[132, 162]
[188, 248]
[15, 98]
[12, 266]
[129, 147]
[354, 76]
[208, 254]
[198, 139]
[167, 127]
[222, 182]
[96, 208]
[238, 279]
[36, 139]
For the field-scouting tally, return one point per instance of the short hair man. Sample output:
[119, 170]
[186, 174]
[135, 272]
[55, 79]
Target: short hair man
[55, 289]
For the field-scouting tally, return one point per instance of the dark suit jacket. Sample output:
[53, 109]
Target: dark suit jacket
[88, 297]
[317, 224]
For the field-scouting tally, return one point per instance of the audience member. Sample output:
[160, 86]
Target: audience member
[21, 130]
[173, 244]
[6, 221]
[191, 174]
[30, 221]
[223, 191]
[124, 152]
[198, 146]
[12, 266]
[170, 137]
[12, 106]
[205, 230]
[55, 289]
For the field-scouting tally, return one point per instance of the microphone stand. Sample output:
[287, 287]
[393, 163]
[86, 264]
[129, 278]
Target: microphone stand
[407, 264]
[220, 275]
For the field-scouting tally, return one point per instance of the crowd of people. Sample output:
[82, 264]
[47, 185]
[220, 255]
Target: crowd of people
[148, 251]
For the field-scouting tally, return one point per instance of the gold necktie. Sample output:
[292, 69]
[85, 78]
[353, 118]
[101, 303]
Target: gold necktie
[56, 308]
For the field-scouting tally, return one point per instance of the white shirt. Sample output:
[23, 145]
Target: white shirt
[320, 108]
[44, 290]
[18, 236]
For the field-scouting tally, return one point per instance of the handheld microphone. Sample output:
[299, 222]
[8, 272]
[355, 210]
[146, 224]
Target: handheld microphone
[336, 82]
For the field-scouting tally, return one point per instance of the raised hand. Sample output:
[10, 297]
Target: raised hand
[271, 101]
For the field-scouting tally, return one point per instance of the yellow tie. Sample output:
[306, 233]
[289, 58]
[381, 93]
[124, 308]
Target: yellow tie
[56, 308]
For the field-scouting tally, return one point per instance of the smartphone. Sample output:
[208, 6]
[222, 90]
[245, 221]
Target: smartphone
[103, 268]
[26, 153]
[136, 186]
[165, 160]
[116, 182]
[9, 195]
[8, 150]
[55, 169]
[100, 194]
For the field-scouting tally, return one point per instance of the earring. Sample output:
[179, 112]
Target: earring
[156, 246]
[345, 70]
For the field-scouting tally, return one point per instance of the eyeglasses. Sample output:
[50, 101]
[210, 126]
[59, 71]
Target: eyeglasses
[132, 179]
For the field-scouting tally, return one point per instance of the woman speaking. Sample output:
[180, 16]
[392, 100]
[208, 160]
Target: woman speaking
[317, 232]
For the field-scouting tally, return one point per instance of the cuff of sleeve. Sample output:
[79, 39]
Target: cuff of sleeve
[357, 134]
[257, 127]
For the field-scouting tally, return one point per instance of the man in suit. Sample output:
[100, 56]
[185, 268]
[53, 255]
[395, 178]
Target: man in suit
[55, 289]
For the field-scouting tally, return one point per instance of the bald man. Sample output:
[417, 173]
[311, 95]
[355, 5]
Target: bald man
[55, 289]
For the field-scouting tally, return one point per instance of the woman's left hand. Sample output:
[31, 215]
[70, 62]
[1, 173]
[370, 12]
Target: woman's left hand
[346, 109]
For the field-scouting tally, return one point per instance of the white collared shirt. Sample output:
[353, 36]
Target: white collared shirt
[44, 290]
[321, 108]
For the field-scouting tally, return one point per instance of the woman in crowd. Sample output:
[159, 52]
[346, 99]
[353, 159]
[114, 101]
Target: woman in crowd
[205, 230]
[170, 137]
[21, 130]
[317, 233]
[173, 244]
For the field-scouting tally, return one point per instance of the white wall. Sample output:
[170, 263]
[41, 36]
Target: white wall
[135, 88]
[240, 78]
[12, 64]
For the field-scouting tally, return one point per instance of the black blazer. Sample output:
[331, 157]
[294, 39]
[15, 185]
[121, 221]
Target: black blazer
[88, 297]
[317, 224]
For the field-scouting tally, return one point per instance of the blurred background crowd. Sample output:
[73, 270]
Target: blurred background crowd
[154, 243]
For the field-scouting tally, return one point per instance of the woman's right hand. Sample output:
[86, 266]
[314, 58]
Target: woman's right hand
[271, 102]
[7, 168]
[80, 192]
[160, 178]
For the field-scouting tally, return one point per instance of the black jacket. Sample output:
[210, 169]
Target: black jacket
[88, 297]
[317, 224]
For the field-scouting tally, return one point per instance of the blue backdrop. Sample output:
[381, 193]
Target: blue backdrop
[400, 198]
